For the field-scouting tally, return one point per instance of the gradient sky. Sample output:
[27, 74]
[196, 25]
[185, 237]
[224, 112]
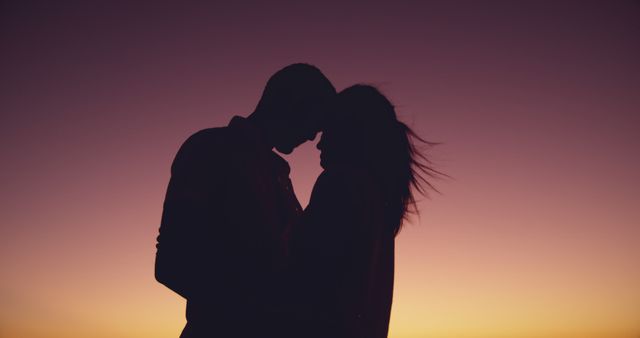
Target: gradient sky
[537, 105]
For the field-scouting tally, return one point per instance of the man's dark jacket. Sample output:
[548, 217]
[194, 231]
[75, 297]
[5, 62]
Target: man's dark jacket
[228, 208]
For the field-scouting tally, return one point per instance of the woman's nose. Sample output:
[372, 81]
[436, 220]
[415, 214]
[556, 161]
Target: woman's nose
[320, 144]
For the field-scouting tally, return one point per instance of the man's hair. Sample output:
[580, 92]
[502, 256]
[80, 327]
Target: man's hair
[294, 85]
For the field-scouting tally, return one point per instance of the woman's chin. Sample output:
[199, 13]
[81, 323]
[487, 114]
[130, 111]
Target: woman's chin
[323, 164]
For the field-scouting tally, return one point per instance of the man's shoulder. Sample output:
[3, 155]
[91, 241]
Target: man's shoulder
[219, 139]
[208, 137]
[202, 147]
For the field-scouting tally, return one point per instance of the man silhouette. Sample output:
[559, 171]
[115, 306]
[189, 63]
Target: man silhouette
[229, 205]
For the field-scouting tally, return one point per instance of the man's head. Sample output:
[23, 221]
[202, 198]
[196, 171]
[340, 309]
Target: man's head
[292, 105]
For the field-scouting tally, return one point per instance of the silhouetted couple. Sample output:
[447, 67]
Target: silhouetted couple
[235, 242]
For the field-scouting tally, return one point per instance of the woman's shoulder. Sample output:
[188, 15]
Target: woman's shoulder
[352, 194]
[345, 176]
[347, 182]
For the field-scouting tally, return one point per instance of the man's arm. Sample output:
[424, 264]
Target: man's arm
[186, 217]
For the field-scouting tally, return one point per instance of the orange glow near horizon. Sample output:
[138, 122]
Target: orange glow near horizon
[535, 236]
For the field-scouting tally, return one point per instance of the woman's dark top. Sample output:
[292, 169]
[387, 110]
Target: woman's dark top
[342, 259]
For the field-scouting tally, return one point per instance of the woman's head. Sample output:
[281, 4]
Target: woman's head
[364, 132]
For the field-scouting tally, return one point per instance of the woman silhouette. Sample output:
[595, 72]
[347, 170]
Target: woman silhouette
[343, 250]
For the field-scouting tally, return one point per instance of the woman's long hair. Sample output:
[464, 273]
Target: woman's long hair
[389, 148]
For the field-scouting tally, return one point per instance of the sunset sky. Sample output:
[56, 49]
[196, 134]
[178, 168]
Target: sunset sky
[537, 106]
